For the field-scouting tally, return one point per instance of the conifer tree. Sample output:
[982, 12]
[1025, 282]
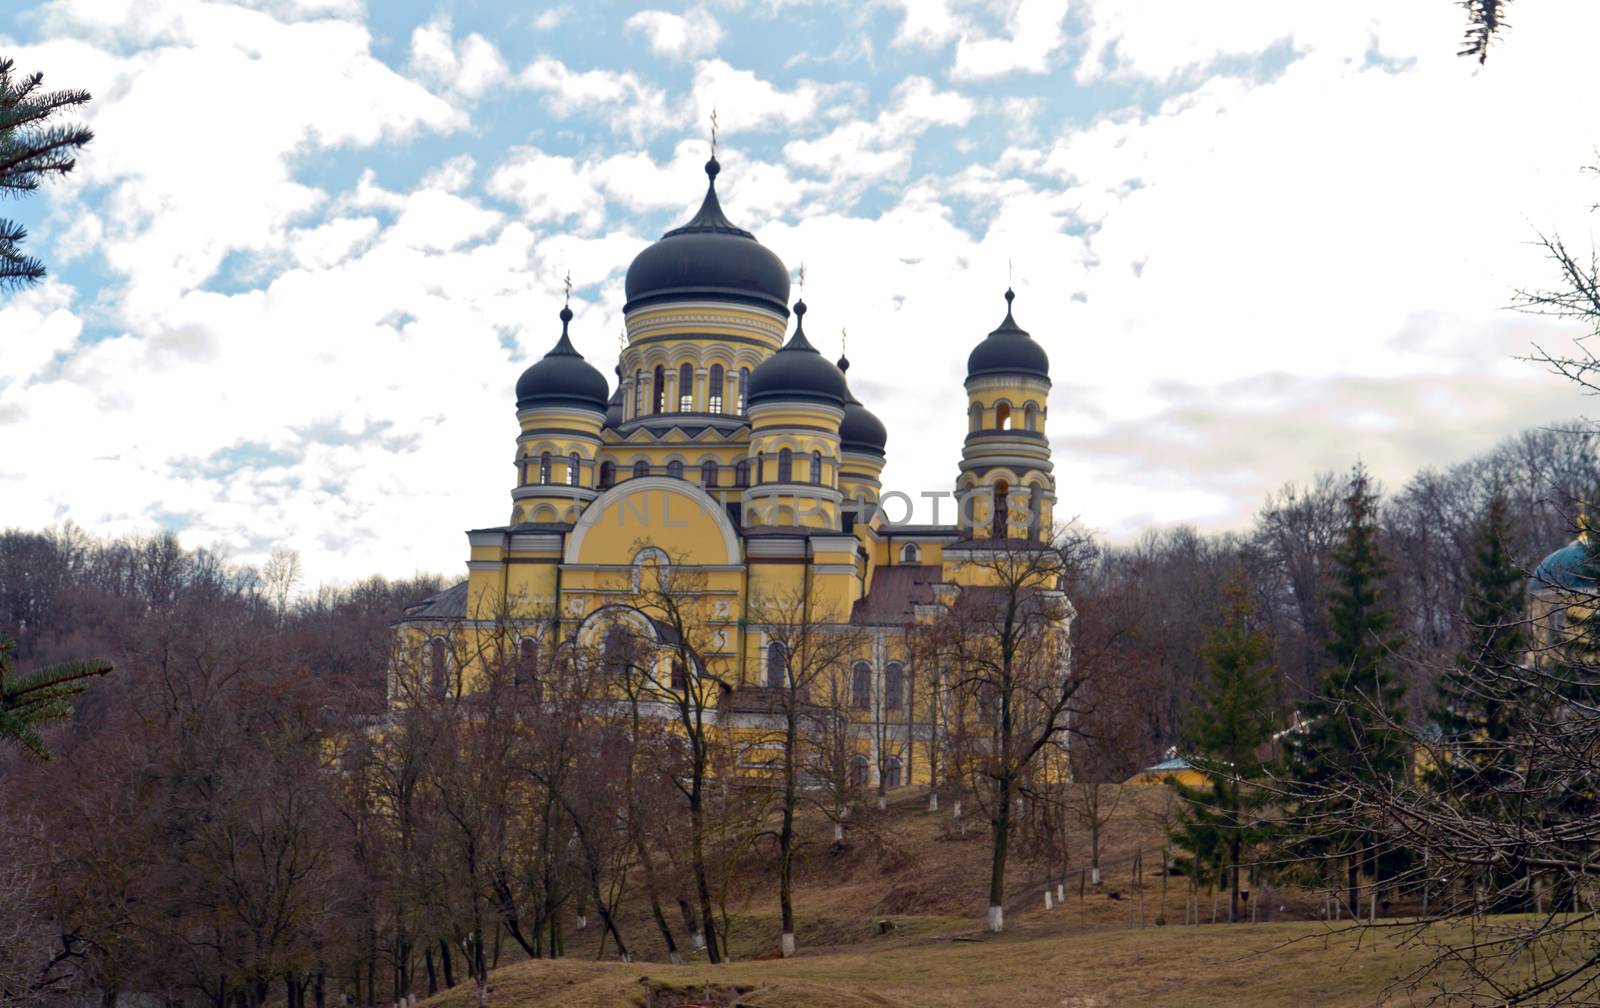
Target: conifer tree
[45, 695]
[1233, 720]
[31, 148]
[1343, 733]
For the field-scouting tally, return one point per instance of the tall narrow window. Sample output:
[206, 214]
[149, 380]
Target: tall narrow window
[909, 554]
[438, 672]
[816, 468]
[708, 474]
[744, 382]
[638, 393]
[675, 469]
[679, 679]
[891, 772]
[641, 469]
[892, 676]
[741, 473]
[714, 392]
[775, 665]
[608, 475]
[1002, 417]
[785, 466]
[658, 389]
[574, 468]
[1035, 510]
[527, 663]
[861, 686]
[1001, 491]
[975, 416]
[544, 467]
[1030, 416]
[686, 389]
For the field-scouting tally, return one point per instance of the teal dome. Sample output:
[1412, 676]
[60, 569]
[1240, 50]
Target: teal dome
[1574, 567]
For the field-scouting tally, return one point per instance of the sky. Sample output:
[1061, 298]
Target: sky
[296, 275]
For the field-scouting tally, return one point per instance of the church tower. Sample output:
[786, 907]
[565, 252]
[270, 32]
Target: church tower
[561, 405]
[797, 401]
[1005, 488]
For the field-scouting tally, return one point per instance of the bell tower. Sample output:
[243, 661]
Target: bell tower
[1005, 488]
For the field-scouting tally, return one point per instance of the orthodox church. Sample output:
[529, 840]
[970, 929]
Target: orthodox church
[731, 447]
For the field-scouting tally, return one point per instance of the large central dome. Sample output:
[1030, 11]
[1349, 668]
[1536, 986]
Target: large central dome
[708, 259]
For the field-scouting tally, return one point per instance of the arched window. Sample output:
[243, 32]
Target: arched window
[638, 393]
[910, 554]
[686, 389]
[775, 665]
[574, 469]
[675, 469]
[744, 381]
[816, 468]
[658, 389]
[975, 416]
[892, 686]
[785, 466]
[891, 772]
[1030, 416]
[1002, 417]
[438, 667]
[641, 468]
[1035, 509]
[999, 517]
[680, 680]
[861, 686]
[708, 474]
[544, 467]
[615, 652]
[714, 399]
[608, 474]
[741, 473]
[858, 771]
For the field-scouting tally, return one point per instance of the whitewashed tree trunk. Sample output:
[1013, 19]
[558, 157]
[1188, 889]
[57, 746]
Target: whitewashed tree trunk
[483, 992]
[675, 958]
[955, 810]
[997, 920]
[1047, 903]
[933, 801]
[582, 922]
[1061, 892]
[1094, 875]
[788, 944]
[883, 802]
[838, 832]
[697, 941]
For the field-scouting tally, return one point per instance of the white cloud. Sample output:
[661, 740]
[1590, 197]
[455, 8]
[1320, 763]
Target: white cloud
[467, 68]
[745, 102]
[631, 107]
[1034, 33]
[678, 36]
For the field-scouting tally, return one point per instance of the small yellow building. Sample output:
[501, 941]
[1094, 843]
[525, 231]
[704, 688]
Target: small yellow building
[730, 448]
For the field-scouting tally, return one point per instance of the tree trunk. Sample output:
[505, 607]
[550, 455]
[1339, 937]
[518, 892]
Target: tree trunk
[997, 864]
[697, 940]
[786, 839]
[446, 965]
[697, 826]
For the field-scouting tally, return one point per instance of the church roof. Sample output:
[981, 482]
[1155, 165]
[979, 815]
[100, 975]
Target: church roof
[563, 378]
[860, 430]
[708, 259]
[448, 604]
[1008, 350]
[1574, 567]
[797, 372]
[894, 593]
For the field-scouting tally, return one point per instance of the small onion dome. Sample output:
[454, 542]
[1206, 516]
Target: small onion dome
[1008, 350]
[614, 405]
[1574, 567]
[859, 430]
[563, 378]
[797, 372]
[708, 259]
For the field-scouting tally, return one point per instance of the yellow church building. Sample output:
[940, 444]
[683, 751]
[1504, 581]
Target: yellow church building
[731, 448]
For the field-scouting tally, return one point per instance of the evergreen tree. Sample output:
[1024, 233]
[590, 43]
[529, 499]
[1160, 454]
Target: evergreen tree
[1226, 730]
[31, 147]
[44, 695]
[1342, 734]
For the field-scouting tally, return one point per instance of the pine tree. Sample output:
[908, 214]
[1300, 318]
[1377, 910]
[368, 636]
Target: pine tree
[44, 695]
[1233, 720]
[1342, 734]
[31, 148]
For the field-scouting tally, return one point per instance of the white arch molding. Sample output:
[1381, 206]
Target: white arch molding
[690, 492]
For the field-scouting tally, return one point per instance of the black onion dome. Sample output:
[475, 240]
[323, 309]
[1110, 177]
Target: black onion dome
[1008, 350]
[860, 430]
[614, 404]
[708, 259]
[797, 372]
[563, 378]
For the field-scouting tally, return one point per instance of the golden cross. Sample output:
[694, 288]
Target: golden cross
[1008, 273]
[802, 278]
[844, 340]
[713, 131]
[567, 282]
